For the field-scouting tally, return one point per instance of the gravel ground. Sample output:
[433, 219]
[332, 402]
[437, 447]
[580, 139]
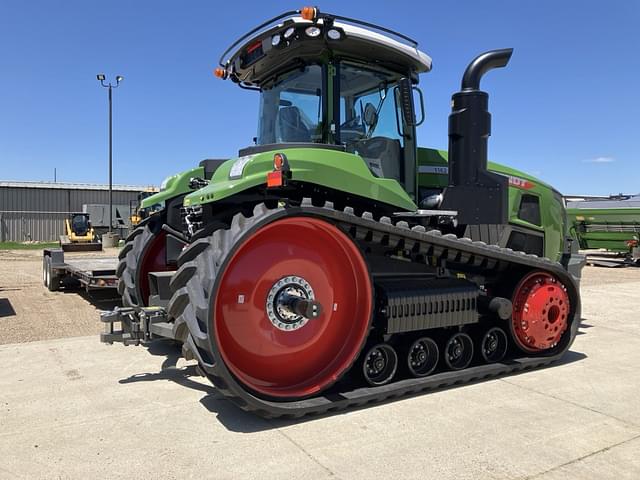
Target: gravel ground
[29, 312]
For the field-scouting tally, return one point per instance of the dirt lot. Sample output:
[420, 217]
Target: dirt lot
[29, 312]
[73, 408]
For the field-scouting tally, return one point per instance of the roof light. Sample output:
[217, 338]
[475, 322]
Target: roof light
[312, 31]
[220, 72]
[288, 33]
[334, 34]
[309, 13]
[275, 40]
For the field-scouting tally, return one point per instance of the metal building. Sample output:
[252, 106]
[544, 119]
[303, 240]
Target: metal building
[35, 211]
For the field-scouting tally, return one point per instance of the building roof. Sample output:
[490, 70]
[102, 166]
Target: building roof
[78, 186]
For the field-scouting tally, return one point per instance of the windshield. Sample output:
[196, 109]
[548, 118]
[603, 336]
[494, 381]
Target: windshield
[291, 110]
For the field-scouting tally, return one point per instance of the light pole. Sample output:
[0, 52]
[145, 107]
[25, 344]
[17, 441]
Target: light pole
[119, 78]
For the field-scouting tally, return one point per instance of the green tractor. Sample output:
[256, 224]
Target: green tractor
[335, 263]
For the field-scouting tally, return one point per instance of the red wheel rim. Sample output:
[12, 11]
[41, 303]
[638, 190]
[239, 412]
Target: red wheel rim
[154, 259]
[540, 312]
[302, 362]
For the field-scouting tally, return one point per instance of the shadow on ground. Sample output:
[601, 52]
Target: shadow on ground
[6, 309]
[102, 299]
[237, 420]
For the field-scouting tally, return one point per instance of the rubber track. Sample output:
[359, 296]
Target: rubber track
[194, 281]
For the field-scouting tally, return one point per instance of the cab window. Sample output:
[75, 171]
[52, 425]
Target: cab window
[369, 120]
[529, 209]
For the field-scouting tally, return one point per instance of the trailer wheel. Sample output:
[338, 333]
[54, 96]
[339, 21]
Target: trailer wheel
[50, 277]
[144, 251]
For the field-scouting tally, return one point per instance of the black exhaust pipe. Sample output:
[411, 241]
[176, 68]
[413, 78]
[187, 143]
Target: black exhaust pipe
[479, 196]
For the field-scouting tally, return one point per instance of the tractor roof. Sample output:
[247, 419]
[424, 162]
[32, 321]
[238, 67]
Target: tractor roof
[296, 38]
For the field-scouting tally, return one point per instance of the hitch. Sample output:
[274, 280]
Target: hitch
[137, 325]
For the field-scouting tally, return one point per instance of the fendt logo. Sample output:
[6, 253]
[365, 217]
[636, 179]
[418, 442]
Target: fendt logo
[520, 183]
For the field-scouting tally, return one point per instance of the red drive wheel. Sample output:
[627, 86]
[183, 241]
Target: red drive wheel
[293, 308]
[154, 259]
[540, 312]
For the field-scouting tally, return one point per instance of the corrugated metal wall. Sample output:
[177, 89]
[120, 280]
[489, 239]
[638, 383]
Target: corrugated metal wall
[38, 213]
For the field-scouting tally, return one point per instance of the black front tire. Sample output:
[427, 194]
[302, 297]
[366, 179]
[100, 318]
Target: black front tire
[132, 251]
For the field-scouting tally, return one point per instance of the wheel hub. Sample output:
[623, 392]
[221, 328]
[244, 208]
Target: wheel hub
[279, 302]
[540, 312]
[455, 351]
[492, 344]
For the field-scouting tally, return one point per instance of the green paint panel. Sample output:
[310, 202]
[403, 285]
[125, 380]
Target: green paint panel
[433, 172]
[348, 173]
[173, 186]
[328, 168]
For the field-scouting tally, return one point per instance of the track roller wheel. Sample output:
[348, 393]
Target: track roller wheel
[458, 351]
[422, 357]
[379, 364]
[540, 312]
[493, 345]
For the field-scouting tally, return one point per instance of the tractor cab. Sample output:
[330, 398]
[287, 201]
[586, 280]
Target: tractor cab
[334, 82]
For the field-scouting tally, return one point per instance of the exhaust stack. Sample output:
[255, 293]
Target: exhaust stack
[479, 196]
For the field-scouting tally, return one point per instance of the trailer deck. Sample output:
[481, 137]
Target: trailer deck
[89, 272]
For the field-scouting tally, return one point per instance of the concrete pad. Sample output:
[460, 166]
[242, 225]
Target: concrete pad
[620, 462]
[66, 414]
[73, 408]
[76, 409]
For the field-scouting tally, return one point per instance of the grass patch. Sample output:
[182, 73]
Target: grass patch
[27, 245]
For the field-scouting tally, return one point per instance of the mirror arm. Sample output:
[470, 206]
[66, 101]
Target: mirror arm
[422, 115]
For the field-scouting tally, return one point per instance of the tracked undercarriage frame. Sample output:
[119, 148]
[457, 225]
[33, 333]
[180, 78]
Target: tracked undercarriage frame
[475, 269]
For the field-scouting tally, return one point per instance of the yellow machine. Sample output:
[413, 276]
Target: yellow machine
[79, 235]
[137, 214]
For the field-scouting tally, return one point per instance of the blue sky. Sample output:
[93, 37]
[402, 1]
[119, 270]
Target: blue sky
[565, 109]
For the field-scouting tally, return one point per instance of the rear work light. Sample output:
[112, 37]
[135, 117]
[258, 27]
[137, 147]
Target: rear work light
[275, 179]
[280, 172]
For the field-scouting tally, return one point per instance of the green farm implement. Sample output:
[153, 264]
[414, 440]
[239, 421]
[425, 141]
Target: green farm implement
[607, 223]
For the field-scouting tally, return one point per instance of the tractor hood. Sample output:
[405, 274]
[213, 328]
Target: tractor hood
[173, 186]
[333, 169]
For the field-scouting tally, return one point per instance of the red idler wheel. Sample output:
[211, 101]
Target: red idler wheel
[265, 327]
[540, 312]
[154, 259]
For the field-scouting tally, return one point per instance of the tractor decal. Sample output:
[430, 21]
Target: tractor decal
[520, 183]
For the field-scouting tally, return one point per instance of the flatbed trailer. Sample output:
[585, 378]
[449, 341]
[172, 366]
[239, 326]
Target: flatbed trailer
[89, 273]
